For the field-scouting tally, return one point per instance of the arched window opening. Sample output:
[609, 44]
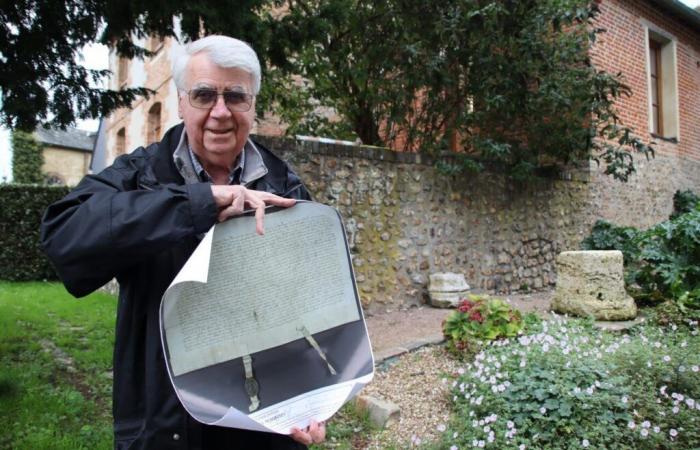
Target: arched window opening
[153, 124]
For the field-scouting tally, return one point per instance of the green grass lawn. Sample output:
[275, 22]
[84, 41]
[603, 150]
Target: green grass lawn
[55, 368]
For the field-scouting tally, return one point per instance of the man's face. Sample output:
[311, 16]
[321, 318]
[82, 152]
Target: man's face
[216, 135]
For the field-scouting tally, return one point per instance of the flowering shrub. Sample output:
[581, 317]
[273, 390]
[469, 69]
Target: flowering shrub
[479, 318]
[573, 386]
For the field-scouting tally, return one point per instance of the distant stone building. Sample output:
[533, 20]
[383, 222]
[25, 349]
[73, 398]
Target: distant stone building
[67, 154]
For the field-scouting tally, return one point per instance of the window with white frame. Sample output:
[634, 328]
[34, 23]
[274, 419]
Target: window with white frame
[663, 84]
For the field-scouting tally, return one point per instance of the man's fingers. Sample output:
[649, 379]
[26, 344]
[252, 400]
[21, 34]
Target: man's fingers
[272, 199]
[259, 217]
[301, 436]
[317, 431]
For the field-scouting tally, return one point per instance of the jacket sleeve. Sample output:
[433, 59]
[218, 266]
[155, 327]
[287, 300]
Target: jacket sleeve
[108, 222]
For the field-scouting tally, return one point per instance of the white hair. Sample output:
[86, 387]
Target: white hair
[224, 51]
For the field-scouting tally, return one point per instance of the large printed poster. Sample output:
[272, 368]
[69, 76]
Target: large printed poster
[266, 332]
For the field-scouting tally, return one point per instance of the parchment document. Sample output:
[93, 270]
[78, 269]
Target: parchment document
[288, 301]
[261, 290]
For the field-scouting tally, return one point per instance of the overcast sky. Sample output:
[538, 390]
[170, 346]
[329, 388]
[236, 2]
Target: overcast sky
[95, 57]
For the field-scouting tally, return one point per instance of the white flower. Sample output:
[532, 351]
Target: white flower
[522, 364]
[521, 447]
[441, 428]
[656, 429]
[491, 437]
[690, 402]
[585, 443]
[646, 424]
[695, 369]
[545, 348]
[673, 432]
[543, 410]
[454, 435]
[487, 429]
[624, 399]
[510, 424]
[662, 389]
[631, 425]
[460, 371]
[589, 391]
[481, 444]
[675, 410]
[644, 432]
[454, 447]
[667, 358]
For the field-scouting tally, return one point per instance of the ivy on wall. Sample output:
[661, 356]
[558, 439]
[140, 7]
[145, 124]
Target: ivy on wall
[27, 158]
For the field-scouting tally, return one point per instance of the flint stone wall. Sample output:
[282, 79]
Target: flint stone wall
[404, 220]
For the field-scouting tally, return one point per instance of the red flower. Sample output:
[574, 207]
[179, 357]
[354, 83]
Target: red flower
[476, 316]
[465, 306]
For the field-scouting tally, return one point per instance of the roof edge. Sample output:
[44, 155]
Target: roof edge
[684, 12]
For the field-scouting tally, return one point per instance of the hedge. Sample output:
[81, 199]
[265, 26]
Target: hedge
[21, 208]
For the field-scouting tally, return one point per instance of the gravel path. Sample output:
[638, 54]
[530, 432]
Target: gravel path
[414, 381]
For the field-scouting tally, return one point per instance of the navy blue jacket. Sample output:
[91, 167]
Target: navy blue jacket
[138, 221]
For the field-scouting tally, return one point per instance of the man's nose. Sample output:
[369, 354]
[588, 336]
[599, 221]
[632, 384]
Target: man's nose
[220, 109]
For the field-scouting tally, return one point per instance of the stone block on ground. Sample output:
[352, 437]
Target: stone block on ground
[591, 283]
[382, 413]
[447, 289]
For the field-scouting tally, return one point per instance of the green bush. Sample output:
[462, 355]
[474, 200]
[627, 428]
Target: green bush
[20, 216]
[480, 319]
[668, 265]
[683, 202]
[608, 236]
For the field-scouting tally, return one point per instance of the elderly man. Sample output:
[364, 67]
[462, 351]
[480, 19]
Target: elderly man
[140, 219]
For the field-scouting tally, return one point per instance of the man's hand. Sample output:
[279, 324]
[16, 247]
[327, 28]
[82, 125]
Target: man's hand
[315, 433]
[233, 199]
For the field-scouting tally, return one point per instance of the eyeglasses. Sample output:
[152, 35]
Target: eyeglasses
[205, 98]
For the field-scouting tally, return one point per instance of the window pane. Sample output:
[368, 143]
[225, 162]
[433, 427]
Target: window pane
[654, 91]
[655, 119]
[652, 60]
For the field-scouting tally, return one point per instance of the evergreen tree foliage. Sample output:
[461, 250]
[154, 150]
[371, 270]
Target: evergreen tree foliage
[27, 159]
[40, 80]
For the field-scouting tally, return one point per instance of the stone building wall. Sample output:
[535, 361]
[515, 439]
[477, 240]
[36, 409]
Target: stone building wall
[69, 165]
[405, 221]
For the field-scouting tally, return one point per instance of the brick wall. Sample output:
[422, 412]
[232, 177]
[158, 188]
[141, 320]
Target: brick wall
[623, 49]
